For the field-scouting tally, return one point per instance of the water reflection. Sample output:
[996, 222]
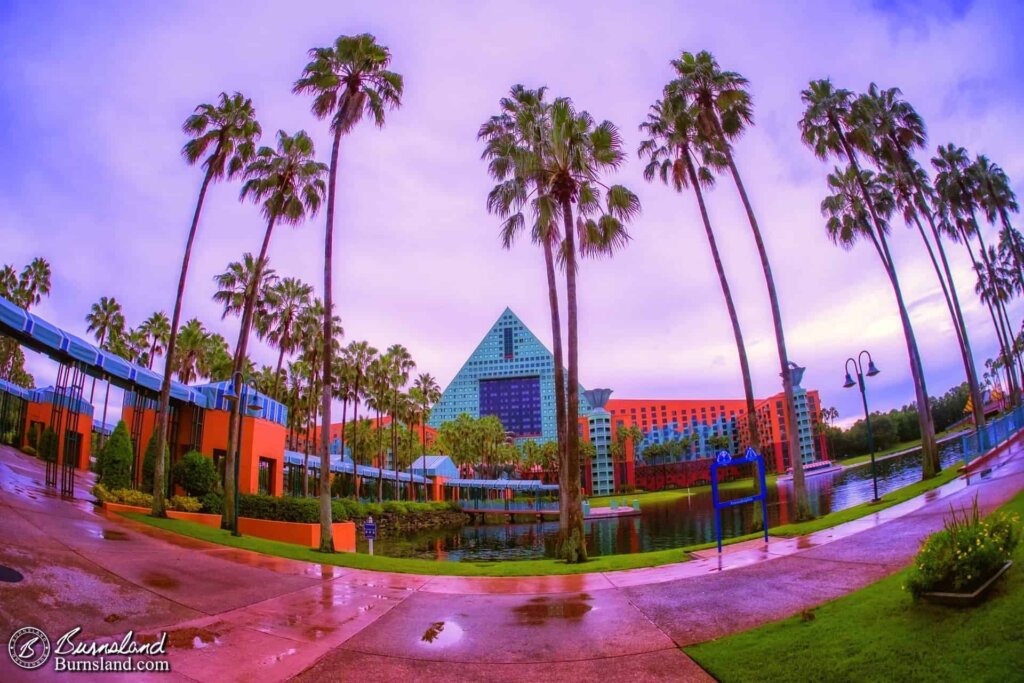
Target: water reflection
[673, 524]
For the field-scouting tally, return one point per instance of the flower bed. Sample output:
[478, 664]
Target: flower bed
[964, 558]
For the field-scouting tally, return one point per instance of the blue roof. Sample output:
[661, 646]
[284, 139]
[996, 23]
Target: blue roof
[15, 390]
[49, 395]
[269, 409]
[436, 466]
[295, 458]
[510, 484]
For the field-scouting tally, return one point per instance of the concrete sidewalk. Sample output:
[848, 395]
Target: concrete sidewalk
[235, 615]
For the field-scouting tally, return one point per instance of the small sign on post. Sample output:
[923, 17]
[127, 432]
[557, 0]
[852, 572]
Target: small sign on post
[370, 531]
[724, 459]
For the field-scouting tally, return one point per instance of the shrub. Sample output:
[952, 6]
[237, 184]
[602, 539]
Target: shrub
[48, 446]
[184, 504]
[149, 462]
[288, 508]
[196, 474]
[115, 461]
[395, 507]
[212, 503]
[102, 494]
[28, 450]
[965, 553]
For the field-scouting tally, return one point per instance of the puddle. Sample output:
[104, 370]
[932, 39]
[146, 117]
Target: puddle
[159, 581]
[191, 638]
[537, 611]
[111, 618]
[441, 634]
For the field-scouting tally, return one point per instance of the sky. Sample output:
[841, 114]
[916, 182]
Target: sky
[93, 96]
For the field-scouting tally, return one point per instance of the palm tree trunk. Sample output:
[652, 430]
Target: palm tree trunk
[929, 449]
[355, 426]
[574, 545]
[344, 416]
[1011, 380]
[741, 350]
[423, 448]
[165, 388]
[326, 524]
[280, 362]
[958, 316]
[559, 369]
[803, 508]
[380, 461]
[230, 518]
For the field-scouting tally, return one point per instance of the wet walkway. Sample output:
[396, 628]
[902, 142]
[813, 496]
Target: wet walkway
[232, 615]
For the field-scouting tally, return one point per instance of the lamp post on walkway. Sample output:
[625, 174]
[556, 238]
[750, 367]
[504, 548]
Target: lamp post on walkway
[249, 390]
[858, 365]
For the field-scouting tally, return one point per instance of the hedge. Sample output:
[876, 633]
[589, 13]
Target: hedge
[307, 510]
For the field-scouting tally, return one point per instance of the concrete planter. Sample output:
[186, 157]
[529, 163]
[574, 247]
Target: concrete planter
[966, 599]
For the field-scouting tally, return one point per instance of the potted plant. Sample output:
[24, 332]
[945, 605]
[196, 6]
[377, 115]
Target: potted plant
[959, 565]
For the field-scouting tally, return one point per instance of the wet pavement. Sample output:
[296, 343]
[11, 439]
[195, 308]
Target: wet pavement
[233, 615]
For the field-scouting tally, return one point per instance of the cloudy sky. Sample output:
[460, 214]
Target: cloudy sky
[93, 95]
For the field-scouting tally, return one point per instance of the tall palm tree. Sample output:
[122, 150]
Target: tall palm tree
[377, 394]
[723, 112]
[826, 128]
[222, 140]
[157, 329]
[106, 320]
[347, 80]
[427, 393]
[286, 300]
[399, 366]
[360, 356]
[956, 185]
[574, 154]
[513, 138]
[289, 184]
[34, 282]
[888, 131]
[193, 345]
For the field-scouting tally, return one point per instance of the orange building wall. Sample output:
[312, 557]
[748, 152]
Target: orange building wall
[42, 412]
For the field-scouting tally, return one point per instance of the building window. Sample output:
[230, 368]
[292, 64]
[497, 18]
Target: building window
[266, 476]
[508, 343]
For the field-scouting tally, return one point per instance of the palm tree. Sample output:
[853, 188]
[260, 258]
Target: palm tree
[193, 344]
[157, 329]
[399, 366]
[286, 300]
[888, 131]
[826, 128]
[377, 395]
[573, 155]
[360, 355]
[347, 80]
[106, 321]
[955, 184]
[227, 131]
[427, 393]
[289, 183]
[723, 111]
[33, 283]
[513, 138]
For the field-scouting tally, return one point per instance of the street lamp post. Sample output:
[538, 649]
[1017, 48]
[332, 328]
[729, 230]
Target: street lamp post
[858, 365]
[249, 389]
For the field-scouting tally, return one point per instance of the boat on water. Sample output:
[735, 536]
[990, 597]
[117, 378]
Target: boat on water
[812, 469]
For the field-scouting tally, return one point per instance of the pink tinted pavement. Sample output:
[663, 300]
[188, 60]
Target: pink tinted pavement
[235, 615]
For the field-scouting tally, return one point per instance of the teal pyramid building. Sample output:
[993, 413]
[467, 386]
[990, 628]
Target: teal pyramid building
[511, 374]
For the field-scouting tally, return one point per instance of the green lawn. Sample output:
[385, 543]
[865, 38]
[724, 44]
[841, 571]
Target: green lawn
[878, 634]
[673, 494]
[545, 567]
[858, 511]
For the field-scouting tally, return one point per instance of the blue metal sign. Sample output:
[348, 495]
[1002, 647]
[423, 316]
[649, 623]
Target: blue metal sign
[724, 459]
[370, 530]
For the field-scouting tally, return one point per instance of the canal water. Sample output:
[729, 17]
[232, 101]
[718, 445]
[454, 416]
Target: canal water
[681, 522]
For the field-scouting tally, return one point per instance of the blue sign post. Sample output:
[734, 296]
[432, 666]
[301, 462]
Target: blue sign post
[724, 459]
[370, 531]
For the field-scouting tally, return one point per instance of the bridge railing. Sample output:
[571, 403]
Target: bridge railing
[509, 505]
[992, 434]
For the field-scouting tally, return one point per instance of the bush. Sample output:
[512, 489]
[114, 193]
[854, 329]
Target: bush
[114, 464]
[122, 496]
[196, 474]
[149, 463]
[288, 508]
[212, 503]
[28, 450]
[48, 446]
[965, 553]
[184, 504]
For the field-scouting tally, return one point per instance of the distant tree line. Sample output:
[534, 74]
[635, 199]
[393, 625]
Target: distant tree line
[897, 426]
